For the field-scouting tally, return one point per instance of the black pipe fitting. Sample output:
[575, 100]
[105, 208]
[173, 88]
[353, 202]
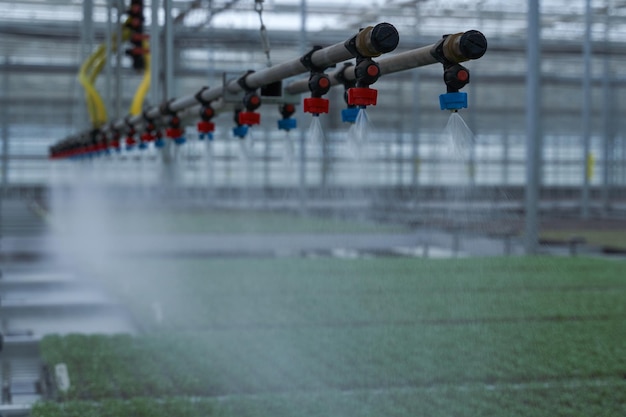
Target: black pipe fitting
[366, 72]
[251, 101]
[459, 47]
[473, 44]
[287, 110]
[384, 37]
[319, 84]
[456, 77]
[207, 113]
[307, 60]
[374, 41]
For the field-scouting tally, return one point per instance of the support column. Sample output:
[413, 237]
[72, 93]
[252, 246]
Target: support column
[4, 116]
[609, 115]
[415, 120]
[302, 186]
[86, 47]
[168, 87]
[108, 73]
[118, 63]
[155, 57]
[533, 129]
[586, 111]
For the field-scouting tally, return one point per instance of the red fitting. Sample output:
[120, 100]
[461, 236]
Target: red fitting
[173, 133]
[130, 141]
[359, 96]
[316, 105]
[147, 137]
[206, 127]
[249, 118]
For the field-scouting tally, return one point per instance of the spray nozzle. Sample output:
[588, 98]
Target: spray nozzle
[287, 123]
[366, 73]
[456, 77]
[205, 126]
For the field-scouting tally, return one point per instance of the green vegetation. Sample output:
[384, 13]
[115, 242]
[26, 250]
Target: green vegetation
[605, 238]
[403, 337]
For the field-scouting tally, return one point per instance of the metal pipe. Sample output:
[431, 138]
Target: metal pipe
[462, 47]
[533, 129]
[321, 58]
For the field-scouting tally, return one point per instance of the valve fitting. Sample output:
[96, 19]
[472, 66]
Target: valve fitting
[251, 102]
[240, 130]
[287, 123]
[205, 126]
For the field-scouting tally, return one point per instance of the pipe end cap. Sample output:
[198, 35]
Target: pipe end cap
[473, 44]
[385, 37]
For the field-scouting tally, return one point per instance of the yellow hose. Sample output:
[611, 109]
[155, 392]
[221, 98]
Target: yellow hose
[89, 71]
[95, 106]
[136, 106]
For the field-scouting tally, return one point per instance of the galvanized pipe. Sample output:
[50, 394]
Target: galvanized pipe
[321, 58]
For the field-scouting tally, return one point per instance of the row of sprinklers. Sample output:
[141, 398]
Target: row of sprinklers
[244, 94]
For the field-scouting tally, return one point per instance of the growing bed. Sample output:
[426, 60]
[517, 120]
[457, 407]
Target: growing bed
[308, 337]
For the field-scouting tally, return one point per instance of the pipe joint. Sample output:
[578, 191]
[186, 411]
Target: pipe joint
[459, 47]
[374, 41]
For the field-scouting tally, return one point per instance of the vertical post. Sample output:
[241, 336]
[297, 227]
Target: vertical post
[5, 128]
[86, 45]
[155, 58]
[415, 120]
[302, 173]
[586, 110]
[168, 51]
[533, 128]
[118, 63]
[168, 88]
[108, 73]
[608, 115]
